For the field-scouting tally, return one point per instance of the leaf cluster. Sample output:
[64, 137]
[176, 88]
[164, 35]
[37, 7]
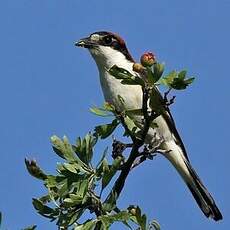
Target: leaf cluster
[73, 190]
[177, 80]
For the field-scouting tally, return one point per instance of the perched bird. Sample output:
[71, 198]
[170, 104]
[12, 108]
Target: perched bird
[108, 49]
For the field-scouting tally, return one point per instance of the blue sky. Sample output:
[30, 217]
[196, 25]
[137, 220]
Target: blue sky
[47, 86]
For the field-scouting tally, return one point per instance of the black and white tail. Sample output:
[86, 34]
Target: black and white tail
[198, 190]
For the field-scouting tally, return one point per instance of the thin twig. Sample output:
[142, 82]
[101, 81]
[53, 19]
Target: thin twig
[167, 101]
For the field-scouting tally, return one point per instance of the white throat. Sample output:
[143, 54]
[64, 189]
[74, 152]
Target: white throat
[105, 58]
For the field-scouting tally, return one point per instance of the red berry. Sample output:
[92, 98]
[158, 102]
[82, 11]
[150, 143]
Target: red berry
[148, 59]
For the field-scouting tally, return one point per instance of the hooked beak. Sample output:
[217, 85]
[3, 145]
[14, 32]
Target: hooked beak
[85, 43]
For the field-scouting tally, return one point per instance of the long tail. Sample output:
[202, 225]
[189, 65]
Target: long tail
[198, 190]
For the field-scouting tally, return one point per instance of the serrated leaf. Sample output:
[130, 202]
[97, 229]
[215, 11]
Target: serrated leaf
[84, 149]
[168, 79]
[182, 74]
[103, 131]
[176, 80]
[181, 84]
[63, 148]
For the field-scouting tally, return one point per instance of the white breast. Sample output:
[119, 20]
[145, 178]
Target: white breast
[105, 58]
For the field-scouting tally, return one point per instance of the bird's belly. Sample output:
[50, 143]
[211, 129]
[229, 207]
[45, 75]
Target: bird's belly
[132, 96]
[115, 92]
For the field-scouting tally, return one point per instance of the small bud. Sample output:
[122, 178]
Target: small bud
[137, 67]
[133, 210]
[34, 169]
[148, 59]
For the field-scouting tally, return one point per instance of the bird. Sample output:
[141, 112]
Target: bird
[109, 49]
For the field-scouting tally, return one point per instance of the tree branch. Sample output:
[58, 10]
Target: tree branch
[137, 143]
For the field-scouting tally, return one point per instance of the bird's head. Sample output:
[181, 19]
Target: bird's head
[107, 49]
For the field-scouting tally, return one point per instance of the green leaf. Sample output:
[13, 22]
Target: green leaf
[168, 79]
[134, 112]
[51, 181]
[189, 80]
[102, 157]
[150, 75]
[180, 84]
[109, 107]
[137, 217]
[73, 168]
[84, 148]
[126, 77]
[120, 73]
[154, 225]
[88, 225]
[158, 70]
[99, 112]
[110, 202]
[76, 215]
[35, 170]
[103, 131]
[182, 74]
[73, 200]
[108, 220]
[133, 81]
[108, 174]
[130, 125]
[102, 168]
[177, 80]
[63, 148]
[32, 227]
[106, 110]
[43, 209]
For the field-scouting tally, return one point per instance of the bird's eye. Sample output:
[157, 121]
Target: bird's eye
[107, 40]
